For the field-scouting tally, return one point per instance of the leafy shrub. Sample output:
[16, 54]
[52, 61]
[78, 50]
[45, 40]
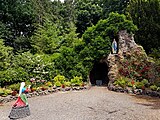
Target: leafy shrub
[7, 91]
[145, 82]
[15, 87]
[49, 84]
[129, 84]
[44, 87]
[27, 83]
[76, 81]
[122, 82]
[37, 82]
[34, 89]
[139, 85]
[68, 84]
[1, 92]
[4, 92]
[13, 75]
[157, 82]
[25, 66]
[5, 55]
[68, 63]
[59, 78]
[153, 87]
[57, 84]
[155, 53]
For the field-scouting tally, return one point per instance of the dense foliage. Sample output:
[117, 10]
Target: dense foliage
[42, 38]
[145, 14]
[97, 39]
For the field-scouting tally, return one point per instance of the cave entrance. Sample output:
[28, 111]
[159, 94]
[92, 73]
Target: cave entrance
[99, 74]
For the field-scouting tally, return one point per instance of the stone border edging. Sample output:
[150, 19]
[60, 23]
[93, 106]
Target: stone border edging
[10, 98]
[135, 91]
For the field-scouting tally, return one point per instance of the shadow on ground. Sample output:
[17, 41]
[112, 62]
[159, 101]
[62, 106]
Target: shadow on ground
[152, 102]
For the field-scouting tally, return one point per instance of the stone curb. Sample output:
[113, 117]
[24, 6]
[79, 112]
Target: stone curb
[10, 98]
[135, 91]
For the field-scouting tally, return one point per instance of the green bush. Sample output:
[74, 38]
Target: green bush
[157, 82]
[68, 63]
[139, 85]
[7, 91]
[4, 92]
[15, 87]
[44, 87]
[1, 91]
[49, 84]
[76, 81]
[122, 82]
[68, 84]
[59, 78]
[5, 55]
[27, 83]
[145, 82]
[57, 84]
[25, 66]
[153, 87]
[129, 84]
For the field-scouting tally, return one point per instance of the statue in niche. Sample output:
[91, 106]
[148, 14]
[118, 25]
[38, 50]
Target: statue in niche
[114, 47]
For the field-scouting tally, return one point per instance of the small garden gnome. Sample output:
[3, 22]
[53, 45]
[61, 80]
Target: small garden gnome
[114, 47]
[20, 108]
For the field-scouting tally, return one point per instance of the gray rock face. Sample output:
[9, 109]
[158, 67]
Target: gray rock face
[129, 49]
[126, 44]
[113, 70]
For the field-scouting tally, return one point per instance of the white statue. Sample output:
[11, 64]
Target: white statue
[114, 47]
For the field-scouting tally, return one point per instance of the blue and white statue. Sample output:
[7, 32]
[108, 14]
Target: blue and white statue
[114, 47]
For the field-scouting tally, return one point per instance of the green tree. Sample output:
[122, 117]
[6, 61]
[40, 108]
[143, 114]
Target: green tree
[43, 10]
[88, 13]
[68, 62]
[145, 14]
[64, 15]
[18, 18]
[68, 13]
[46, 39]
[118, 6]
[4, 32]
[5, 61]
[5, 55]
[97, 39]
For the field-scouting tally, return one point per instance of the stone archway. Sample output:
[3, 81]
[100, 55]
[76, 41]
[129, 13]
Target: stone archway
[99, 74]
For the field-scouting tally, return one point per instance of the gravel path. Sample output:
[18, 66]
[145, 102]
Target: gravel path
[96, 103]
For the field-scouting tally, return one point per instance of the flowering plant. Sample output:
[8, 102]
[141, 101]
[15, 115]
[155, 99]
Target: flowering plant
[37, 82]
[135, 67]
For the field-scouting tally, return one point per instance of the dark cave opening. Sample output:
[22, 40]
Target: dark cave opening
[99, 74]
